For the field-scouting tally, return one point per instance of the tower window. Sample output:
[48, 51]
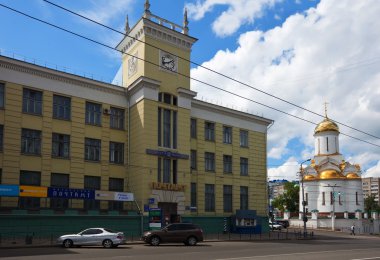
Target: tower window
[327, 143]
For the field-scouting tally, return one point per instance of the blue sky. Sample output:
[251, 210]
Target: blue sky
[307, 52]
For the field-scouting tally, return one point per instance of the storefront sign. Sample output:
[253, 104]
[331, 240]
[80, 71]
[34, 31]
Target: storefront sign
[33, 191]
[124, 196]
[104, 195]
[71, 193]
[169, 154]
[9, 190]
[168, 186]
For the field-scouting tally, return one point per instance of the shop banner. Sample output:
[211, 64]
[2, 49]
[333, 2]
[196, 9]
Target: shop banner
[9, 190]
[33, 191]
[67, 193]
[124, 196]
[104, 195]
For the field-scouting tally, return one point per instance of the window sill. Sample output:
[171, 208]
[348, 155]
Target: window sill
[60, 157]
[91, 161]
[63, 119]
[31, 154]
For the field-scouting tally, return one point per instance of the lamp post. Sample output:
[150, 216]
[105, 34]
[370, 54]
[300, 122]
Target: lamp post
[304, 217]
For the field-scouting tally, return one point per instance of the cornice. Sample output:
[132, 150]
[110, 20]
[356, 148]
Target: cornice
[42, 72]
[146, 27]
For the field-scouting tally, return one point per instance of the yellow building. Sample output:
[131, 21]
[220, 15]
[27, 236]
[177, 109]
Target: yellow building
[150, 137]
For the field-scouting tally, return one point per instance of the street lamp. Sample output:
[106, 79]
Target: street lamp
[304, 217]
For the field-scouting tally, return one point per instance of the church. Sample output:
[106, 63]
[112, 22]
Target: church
[331, 185]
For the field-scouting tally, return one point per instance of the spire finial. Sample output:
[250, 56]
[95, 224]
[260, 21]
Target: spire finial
[146, 9]
[326, 109]
[126, 28]
[185, 23]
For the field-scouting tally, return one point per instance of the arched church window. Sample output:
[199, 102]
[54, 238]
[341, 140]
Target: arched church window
[327, 143]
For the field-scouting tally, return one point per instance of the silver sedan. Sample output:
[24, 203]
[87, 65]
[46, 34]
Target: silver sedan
[93, 237]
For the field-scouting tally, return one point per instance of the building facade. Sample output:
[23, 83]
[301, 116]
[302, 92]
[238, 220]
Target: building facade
[371, 187]
[150, 139]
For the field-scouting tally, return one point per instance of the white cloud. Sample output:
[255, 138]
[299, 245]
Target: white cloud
[373, 171]
[289, 171]
[335, 56]
[239, 12]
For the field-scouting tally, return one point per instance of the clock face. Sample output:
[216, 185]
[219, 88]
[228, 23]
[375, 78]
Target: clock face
[168, 61]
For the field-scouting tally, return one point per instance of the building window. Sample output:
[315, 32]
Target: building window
[227, 163]
[209, 161]
[167, 128]
[306, 199]
[327, 143]
[243, 166]
[331, 198]
[59, 180]
[209, 197]
[227, 198]
[32, 101]
[167, 170]
[357, 198]
[61, 145]
[116, 153]
[193, 195]
[115, 184]
[31, 179]
[61, 107]
[93, 113]
[30, 141]
[244, 197]
[91, 183]
[323, 198]
[193, 158]
[117, 118]
[209, 131]
[227, 134]
[243, 138]
[340, 199]
[1, 137]
[167, 98]
[193, 128]
[92, 149]
[2, 87]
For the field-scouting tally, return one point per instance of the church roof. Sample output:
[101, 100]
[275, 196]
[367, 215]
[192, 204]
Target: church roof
[326, 125]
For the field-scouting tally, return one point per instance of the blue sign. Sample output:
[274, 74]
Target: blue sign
[151, 200]
[169, 154]
[66, 193]
[9, 190]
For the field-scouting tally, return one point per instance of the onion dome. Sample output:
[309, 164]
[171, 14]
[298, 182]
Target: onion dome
[330, 174]
[352, 175]
[309, 177]
[326, 125]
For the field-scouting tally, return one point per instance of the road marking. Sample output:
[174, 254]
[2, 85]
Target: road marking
[376, 257]
[305, 253]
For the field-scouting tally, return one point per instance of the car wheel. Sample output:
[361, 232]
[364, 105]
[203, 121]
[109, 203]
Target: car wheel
[67, 243]
[155, 241]
[107, 243]
[191, 241]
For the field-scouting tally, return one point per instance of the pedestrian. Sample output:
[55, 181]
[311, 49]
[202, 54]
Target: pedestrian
[353, 229]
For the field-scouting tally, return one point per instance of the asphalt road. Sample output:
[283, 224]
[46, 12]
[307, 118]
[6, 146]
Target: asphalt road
[327, 245]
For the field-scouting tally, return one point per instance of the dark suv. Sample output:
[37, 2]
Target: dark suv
[186, 233]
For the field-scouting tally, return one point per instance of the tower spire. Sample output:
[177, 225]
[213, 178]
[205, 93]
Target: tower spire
[126, 28]
[146, 9]
[185, 23]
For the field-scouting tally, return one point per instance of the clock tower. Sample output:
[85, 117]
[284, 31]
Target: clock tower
[156, 71]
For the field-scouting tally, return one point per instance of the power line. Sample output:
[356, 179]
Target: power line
[206, 68]
[183, 75]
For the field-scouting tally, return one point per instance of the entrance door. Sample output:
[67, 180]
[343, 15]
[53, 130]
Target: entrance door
[169, 211]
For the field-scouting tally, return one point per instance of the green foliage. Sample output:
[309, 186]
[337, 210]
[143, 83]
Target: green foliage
[370, 204]
[289, 200]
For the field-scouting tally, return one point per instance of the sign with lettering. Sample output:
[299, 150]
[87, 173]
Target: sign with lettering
[167, 186]
[104, 195]
[33, 191]
[9, 190]
[169, 154]
[67, 193]
[124, 196]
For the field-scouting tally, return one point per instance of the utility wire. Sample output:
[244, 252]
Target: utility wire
[206, 68]
[158, 65]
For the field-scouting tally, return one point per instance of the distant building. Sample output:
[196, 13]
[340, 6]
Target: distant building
[371, 187]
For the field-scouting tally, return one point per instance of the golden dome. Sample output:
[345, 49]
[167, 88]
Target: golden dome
[330, 174]
[326, 125]
[352, 175]
[309, 177]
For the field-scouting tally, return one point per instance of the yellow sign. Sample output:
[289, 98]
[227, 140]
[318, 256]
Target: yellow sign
[168, 186]
[33, 191]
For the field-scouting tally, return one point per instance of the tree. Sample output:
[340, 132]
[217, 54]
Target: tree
[289, 200]
[370, 204]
